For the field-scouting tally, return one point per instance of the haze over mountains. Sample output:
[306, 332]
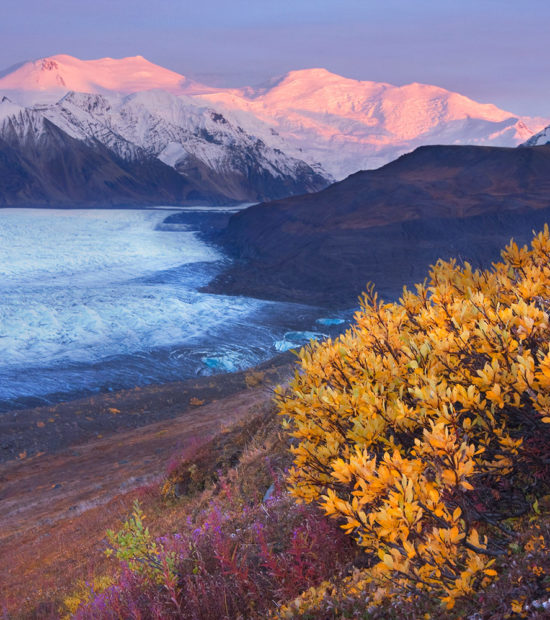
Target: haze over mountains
[293, 135]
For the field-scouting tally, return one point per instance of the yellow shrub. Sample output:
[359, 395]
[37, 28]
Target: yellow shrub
[426, 423]
[84, 593]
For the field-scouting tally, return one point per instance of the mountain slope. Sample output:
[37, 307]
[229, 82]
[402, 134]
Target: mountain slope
[388, 225]
[189, 136]
[41, 165]
[188, 145]
[540, 138]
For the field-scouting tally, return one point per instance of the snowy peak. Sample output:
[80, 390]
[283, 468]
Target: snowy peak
[8, 108]
[317, 91]
[18, 123]
[540, 138]
[349, 125]
[300, 80]
[319, 78]
[312, 87]
[62, 73]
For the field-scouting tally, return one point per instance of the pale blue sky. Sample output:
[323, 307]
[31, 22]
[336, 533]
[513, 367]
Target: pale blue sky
[490, 50]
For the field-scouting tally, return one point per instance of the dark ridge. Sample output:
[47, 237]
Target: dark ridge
[388, 225]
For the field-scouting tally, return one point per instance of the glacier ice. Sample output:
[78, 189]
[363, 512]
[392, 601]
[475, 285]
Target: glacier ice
[296, 340]
[105, 299]
[330, 321]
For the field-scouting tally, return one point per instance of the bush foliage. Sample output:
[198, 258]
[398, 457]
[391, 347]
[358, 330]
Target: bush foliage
[424, 429]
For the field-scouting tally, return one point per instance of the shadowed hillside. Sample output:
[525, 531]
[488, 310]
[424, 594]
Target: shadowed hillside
[388, 225]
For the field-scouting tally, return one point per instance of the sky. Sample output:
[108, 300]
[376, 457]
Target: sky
[494, 51]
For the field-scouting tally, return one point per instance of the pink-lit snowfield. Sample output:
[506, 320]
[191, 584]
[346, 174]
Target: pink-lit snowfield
[60, 73]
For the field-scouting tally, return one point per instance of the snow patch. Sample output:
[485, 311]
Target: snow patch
[172, 153]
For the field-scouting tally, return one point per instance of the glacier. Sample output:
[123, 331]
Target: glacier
[297, 339]
[105, 299]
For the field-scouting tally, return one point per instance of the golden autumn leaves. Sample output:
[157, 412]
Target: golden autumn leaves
[414, 427]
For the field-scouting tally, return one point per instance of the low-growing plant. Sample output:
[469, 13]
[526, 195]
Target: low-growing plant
[240, 547]
[84, 593]
[236, 563]
[201, 464]
[522, 589]
[134, 545]
[424, 429]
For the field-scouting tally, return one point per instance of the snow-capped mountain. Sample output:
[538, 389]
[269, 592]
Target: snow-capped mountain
[217, 156]
[47, 79]
[540, 138]
[292, 135]
[189, 136]
[349, 125]
[42, 165]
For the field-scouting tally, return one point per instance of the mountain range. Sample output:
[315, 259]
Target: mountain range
[127, 131]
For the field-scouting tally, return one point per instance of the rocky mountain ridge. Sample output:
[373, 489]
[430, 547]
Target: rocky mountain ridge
[194, 146]
[540, 138]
